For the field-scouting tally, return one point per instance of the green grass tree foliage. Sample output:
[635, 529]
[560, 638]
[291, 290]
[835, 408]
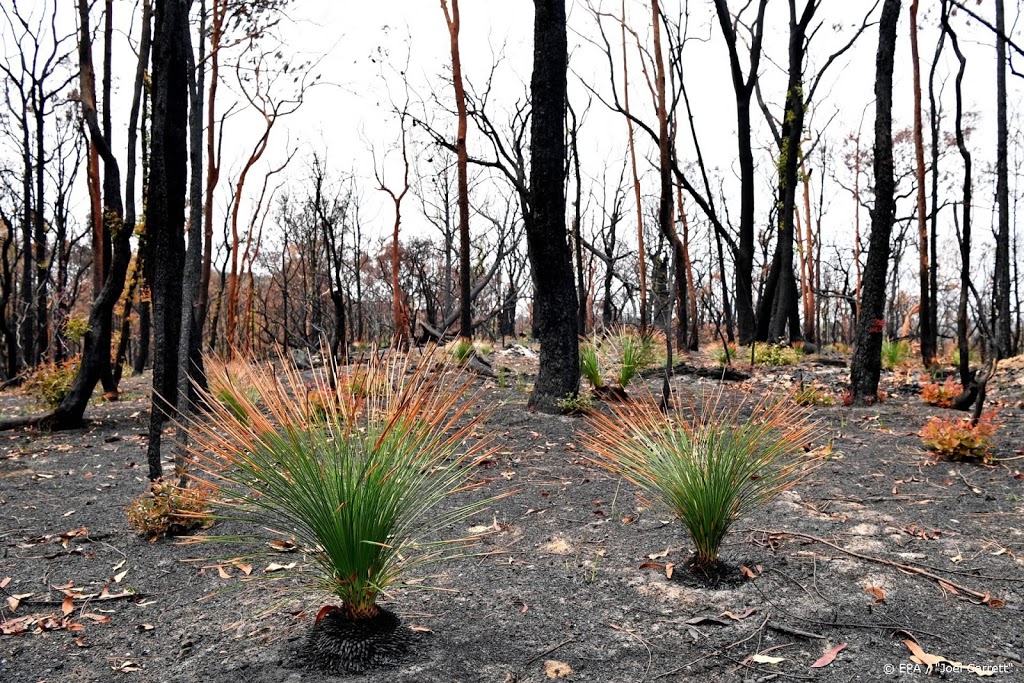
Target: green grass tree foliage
[710, 465]
[356, 474]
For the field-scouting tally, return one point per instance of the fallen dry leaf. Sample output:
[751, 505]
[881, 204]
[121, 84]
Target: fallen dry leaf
[766, 659]
[556, 669]
[223, 572]
[929, 660]
[658, 556]
[829, 656]
[739, 617]
[68, 606]
[747, 572]
[877, 592]
[97, 618]
[242, 567]
[668, 570]
[282, 546]
[118, 577]
[275, 567]
[6, 580]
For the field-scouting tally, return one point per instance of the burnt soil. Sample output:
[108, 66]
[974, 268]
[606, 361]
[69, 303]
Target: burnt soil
[572, 580]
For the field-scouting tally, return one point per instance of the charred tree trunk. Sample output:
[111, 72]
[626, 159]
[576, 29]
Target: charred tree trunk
[555, 303]
[743, 87]
[165, 210]
[962, 330]
[1001, 286]
[928, 335]
[778, 305]
[866, 365]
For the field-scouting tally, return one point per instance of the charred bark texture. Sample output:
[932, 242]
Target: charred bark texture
[555, 302]
[866, 366]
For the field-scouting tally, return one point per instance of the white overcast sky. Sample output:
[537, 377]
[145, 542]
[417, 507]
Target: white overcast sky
[350, 114]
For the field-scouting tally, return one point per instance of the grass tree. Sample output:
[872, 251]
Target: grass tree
[710, 465]
[356, 471]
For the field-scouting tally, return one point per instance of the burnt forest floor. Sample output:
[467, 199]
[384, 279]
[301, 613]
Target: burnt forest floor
[880, 545]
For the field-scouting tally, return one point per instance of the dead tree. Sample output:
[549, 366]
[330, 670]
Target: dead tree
[865, 366]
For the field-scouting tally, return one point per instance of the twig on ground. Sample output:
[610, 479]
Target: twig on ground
[902, 566]
[548, 651]
[650, 654]
[847, 624]
[796, 632]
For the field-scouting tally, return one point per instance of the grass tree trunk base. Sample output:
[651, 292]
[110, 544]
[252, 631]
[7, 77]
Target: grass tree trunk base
[340, 644]
[717, 574]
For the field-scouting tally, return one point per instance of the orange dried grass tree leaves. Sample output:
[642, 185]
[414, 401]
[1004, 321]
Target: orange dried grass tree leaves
[355, 470]
[709, 465]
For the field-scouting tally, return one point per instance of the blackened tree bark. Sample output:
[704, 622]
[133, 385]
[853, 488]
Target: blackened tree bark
[928, 334]
[165, 210]
[934, 125]
[743, 87]
[778, 305]
[555, 304]
[966, 379]
[866, 364]
[1001, 288]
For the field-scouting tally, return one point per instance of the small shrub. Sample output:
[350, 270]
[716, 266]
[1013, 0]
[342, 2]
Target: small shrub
[774, 355]
[709, 466]
[840, 348]
[50, 382]
[895, 353]
[76, 328]
[959, 439]
[942, 395]
[814, 394]
[483, 348]
[575, 405]
[169, 510]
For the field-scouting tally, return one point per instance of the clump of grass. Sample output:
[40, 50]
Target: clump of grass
[725, 355]
[973, 356]
[895, 353]
[169, 510]
[359, 485]
[590, 364]
[483, 348]
[49, 383]
[960, 438]
[941, 395]
[461, 349]
[814, 394]
[637, 352]
[710, 465]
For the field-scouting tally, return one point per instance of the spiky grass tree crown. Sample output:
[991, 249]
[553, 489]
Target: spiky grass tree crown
[709, 465]
[355, 472]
